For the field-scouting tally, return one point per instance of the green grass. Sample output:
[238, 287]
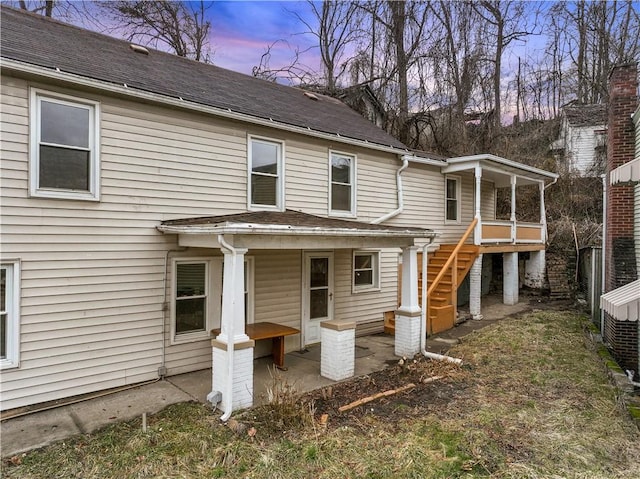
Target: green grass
[535, 402]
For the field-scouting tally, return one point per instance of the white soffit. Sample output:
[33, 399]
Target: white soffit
[623, 303]
[626, 173]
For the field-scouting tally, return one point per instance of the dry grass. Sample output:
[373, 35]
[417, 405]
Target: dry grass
[533, 402]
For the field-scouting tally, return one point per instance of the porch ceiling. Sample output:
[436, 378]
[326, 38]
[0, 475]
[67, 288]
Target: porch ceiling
[289, 230]
[499, 170]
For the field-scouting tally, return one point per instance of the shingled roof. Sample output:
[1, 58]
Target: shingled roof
[47, 43]
[586, 115]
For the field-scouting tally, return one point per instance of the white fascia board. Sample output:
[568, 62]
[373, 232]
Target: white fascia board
[454, 168]
[423, 161]
[252, 229]
[13, 65]
[505, 162]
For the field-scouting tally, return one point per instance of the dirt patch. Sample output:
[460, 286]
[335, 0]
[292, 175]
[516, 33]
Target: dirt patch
[427, 393]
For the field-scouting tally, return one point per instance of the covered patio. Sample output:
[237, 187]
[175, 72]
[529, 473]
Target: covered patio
[316, 238]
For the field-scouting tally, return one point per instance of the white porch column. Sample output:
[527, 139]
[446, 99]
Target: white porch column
[510, 278]
[514, 180]
[543, 214]
[232, 350]
[534, 270]
[475, 288]
[477, 234]
[408, 315]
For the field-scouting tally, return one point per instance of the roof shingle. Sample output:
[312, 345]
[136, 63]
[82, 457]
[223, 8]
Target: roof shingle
[37, 40]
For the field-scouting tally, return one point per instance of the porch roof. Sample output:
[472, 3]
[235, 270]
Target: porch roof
[623, 303]
[499, 170]
[296, 226]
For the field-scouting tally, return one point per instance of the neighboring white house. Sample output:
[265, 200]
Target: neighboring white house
[133, 180]
[581, 145]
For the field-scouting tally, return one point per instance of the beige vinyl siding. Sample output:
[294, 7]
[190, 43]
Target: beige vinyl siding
[92, 272]
[365, 307]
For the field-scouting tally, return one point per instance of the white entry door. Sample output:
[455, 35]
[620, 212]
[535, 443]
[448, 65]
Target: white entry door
[317, 290]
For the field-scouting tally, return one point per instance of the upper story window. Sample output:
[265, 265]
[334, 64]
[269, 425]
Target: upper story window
[342, 194]
[266, 169]
[452, 199]
[9, 314]
[64, 159]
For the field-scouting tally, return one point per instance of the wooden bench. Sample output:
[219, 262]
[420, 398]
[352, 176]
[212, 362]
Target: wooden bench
[273, 331]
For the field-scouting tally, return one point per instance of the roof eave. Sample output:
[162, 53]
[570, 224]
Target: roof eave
[478, 159]
[7, 64]
[276, 229]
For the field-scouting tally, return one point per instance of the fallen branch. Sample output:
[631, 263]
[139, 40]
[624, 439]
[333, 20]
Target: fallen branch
[362, 401]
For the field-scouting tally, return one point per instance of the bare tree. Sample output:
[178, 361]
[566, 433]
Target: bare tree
[335, 25]
[180, 26]
[507, 22]
[44, 7]
[293, 71]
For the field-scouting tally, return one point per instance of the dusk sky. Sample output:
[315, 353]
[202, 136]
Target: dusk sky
[242, 31]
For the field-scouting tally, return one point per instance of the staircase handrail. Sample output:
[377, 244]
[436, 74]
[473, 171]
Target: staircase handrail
[451, 258]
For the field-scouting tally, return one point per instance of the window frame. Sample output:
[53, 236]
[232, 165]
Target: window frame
[375, 267]
[457, 199]
[213, 285]
[280, 177]
[12, 359]
[249, 278]
[353, 185]
[35, 122]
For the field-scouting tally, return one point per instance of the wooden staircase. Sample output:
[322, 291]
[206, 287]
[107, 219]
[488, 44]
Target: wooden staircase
[443, 298]
[446, 269]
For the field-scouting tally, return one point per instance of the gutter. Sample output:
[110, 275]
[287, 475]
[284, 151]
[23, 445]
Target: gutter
[243, 229]
[17, 66]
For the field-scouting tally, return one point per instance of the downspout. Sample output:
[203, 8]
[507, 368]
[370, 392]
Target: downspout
[230, 334]
[603, 275]
[398, 210]
[423, 319]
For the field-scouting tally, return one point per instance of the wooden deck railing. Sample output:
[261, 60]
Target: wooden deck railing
[452, 260]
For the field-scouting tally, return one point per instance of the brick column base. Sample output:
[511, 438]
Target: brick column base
[242, 384]
[337, 349]
[407, 341]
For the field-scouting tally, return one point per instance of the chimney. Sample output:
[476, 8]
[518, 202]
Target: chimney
[620, 264]
[623, 100]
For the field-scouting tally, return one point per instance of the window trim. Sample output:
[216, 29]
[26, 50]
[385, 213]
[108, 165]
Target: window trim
[213, 279]
[280, 178]
[13, 315]
[353, 185]
[458, 198]
[36, 95]
[250, 264]
[375, 266]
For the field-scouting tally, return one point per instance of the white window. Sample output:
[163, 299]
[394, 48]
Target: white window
[452, 199]
[266, 170]
[65, 160]
[342, 191]
[196, 282]
[366, 270]
[9, 314]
